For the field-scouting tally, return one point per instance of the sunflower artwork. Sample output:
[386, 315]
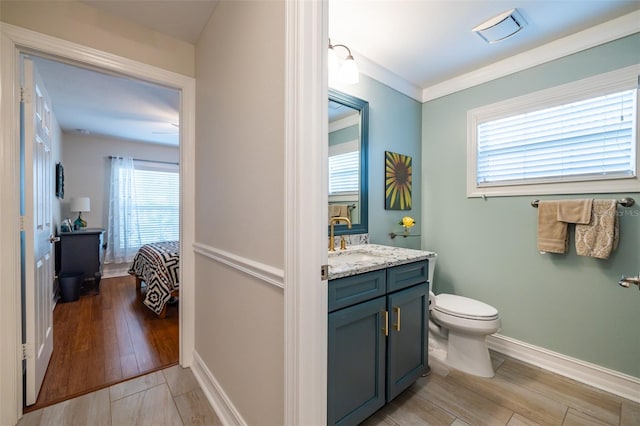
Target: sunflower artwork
[397, 181]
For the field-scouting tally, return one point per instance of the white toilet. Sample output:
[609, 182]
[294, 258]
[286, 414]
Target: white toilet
[458, 327]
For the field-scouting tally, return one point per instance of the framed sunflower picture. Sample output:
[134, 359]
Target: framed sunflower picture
[397, 181]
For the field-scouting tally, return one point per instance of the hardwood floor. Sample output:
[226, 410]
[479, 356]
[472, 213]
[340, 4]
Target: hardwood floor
[518, 395]
[104, 339]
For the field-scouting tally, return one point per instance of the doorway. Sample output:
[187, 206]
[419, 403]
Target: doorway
[107, 336]
[15, 41]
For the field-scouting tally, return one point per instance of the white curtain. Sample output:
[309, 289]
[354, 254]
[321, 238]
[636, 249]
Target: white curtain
[123, 235]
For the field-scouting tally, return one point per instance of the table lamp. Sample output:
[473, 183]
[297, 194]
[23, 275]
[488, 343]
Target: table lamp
[80, 204]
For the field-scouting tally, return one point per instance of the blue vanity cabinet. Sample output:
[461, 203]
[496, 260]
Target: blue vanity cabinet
[377, 339]
[356, 362]
[407, 341]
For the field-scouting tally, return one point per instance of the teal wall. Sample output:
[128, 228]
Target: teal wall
[394, 125]
[487, 249]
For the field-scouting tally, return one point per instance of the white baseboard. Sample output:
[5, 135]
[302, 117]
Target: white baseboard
[112, 270]
[221, 403]
[602, 378]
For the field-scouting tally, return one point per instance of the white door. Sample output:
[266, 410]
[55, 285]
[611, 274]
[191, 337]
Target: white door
[37, 239]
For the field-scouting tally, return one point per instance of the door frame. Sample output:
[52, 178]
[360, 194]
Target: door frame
[306, 195]
[13, 41]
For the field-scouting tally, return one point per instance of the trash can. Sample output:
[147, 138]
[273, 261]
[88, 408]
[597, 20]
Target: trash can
[70, 284]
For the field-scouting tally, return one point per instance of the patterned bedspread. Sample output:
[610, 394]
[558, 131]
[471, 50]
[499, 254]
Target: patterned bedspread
[157, 264]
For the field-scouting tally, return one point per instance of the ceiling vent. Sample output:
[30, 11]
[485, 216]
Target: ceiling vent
[501, 26]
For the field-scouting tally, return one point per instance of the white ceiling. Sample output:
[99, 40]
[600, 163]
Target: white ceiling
[91, 102]
[428, 42]
[420, 43]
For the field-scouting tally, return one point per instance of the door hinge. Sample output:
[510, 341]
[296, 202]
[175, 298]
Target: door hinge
[25, 96]
[324, 272]
[26, 351]
[22, 223]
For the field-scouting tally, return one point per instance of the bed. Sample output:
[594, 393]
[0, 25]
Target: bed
[157, 264]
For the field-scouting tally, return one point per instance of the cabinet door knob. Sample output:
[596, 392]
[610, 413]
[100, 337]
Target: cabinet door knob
[397, 324]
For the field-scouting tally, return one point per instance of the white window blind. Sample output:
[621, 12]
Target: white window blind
[157, 202]
[344, 168]
[589, 139]
[577, 138]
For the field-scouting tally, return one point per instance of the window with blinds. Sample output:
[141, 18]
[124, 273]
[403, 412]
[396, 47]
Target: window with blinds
[157, 189]
[563, 136]
[344, 168]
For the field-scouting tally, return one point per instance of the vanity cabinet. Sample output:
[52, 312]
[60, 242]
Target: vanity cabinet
[377, 339]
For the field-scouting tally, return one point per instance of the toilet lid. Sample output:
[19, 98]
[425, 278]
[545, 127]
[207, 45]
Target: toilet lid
[464, 307]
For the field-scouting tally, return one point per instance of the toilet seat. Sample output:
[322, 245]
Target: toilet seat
[463, 307]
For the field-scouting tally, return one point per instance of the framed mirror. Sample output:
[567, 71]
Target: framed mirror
[347, 172]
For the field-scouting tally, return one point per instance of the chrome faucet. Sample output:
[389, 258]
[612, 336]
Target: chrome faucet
[332, 238]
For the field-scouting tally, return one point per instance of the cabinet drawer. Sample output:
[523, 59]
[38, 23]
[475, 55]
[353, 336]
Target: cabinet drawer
[404, 276]
[348, 291]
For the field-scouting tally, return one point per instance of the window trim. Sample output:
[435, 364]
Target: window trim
[610, 82]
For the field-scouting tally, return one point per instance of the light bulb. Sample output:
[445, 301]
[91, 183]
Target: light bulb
[349, 71]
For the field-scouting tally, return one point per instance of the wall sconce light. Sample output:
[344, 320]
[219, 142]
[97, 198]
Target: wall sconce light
[501, 26]
[347, 72]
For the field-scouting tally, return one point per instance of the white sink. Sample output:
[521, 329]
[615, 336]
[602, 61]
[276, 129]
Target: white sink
[354, 257]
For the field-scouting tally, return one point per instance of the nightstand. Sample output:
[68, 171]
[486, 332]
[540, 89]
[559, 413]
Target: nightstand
[81, 251]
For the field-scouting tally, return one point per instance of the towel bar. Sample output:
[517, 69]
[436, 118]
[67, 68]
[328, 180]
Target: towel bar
[624, 202]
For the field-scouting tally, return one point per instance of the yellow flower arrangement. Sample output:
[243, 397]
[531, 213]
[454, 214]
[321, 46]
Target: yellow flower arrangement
[407, 222]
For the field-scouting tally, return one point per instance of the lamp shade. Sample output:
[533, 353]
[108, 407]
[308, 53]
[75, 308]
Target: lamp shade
[80, 204]
[349, 73]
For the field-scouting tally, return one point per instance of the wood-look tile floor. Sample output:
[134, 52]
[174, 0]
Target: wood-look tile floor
[168, 397]
[519, 395]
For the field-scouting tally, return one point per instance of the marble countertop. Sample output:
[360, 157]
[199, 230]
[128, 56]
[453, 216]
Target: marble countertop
[370, 257]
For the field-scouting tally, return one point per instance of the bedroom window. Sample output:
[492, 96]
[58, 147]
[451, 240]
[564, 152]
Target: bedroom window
[157, 201]
[577, 138]
[144, 206]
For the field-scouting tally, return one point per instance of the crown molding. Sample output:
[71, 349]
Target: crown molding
[343, 123]
[594, 36]
[386, 77]
[591, 37]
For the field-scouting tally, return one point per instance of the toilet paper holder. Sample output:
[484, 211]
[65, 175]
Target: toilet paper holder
[627, 281]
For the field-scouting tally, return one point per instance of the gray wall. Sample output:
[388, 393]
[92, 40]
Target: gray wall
[487, 249]
[394, 125]
[239, 319]
[87, 170]
[56, 157]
